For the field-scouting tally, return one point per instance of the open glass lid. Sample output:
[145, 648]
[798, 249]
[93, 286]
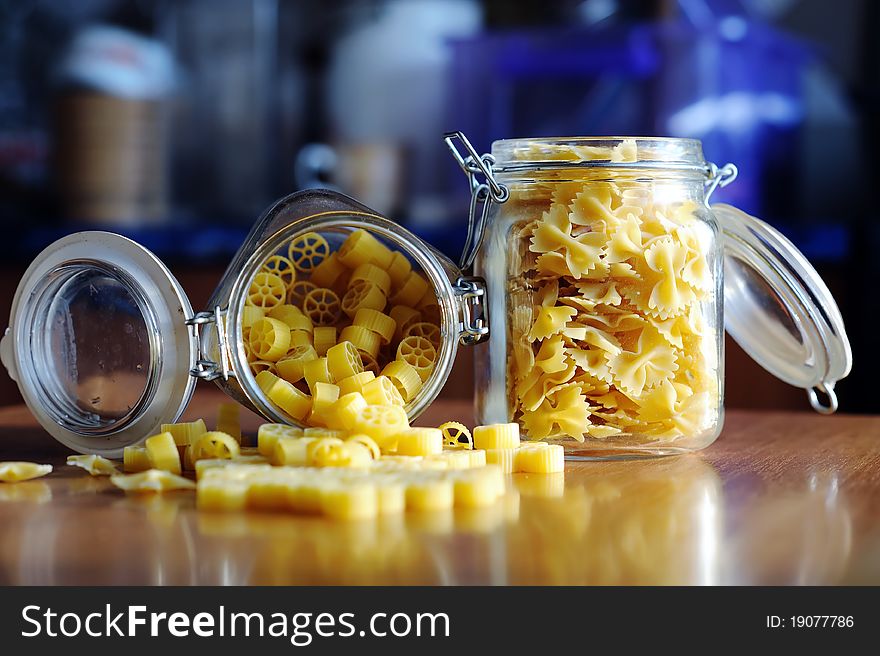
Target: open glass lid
[779, 310]
[98, 342]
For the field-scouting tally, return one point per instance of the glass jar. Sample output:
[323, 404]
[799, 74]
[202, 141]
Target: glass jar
[105, 346]
[607, 273]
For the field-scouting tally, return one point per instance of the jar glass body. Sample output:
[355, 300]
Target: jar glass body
[604, 273]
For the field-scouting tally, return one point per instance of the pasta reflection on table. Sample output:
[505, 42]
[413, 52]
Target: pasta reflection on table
[646, 522]
[798, 536]
[26, 492]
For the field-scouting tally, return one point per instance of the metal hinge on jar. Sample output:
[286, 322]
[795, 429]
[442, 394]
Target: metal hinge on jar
[470, 292]
[207, 367]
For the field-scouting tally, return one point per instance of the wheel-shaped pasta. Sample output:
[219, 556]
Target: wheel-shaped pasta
[429, 331]
[307, 251]
[296, 293]
[299, 338]
[367, 441]
[419, 353]
[456, 435]
[381, 391]
[258, 366]
[404, 316]
[382, 423]
[405, 378]
[343, 360]
[374, 274]
[412, 290]
[290, 367]
[322, 306]
[360, 247]
[376, 321]
[419, 442]
[370, 362]
[266, 291]
[345, 411]
[363, 294]
[215, 445]
[316, 371]
[399, 268]
[281, 267]
[363, 339]
[291, 400]
[269, 339]
[329, 272]
[292, 316]
[249, 314]
[324, 337]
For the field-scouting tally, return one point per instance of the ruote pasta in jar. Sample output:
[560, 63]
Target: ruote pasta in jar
[605, 270]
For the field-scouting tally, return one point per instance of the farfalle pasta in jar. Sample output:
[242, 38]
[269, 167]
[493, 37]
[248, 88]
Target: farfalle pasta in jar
[605, 275]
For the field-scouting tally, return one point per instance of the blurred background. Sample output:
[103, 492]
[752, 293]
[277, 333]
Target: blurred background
[177, 122]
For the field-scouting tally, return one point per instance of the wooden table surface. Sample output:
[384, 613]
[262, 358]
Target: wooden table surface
[781, 498]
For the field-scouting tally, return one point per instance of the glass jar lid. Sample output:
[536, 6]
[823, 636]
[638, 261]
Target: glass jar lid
[98, 342]
[779, 310]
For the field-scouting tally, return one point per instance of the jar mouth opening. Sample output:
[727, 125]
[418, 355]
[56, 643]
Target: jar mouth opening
[619, 152]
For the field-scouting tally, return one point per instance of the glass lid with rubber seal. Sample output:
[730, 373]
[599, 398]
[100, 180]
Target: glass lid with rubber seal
[779, 310]
[98, 342]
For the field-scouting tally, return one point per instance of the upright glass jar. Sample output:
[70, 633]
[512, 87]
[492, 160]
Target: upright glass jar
[605, 269]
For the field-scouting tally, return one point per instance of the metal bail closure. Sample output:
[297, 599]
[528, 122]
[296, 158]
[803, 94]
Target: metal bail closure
[207, 367]
[483, 194]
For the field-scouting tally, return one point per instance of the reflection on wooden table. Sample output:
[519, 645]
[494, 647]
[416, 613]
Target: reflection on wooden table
[781, 498]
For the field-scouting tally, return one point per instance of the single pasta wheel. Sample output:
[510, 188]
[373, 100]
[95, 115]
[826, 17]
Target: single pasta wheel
[324, 396]
[299, 338]
[540, 458]
[162, 452]
[185, 432]
[370, 363]
[135, 459]
[343, 360]
[376, 321]
[215, 445]
[258, 366]
[316, 371]
[374, 274]
[456, 436]
[412, 290]
[281, 267]
[496, 436]
[269, 339]
[308, 251]
[292, 316]
[404, 317]
[266, 291]
[290, 367]
[361, 247]
[269, 434]
[363, 294]
[405, 378]
[381, 391]
[419, 442]
[355, 383]
[419, 353]
[363, 339]
[429, 331]
[367, 441]
[322, 306]
[296, 293]
[265, 380]
[382, 423]
[329, 272]
[399, 268]
[249, 314]
[344, 413]
[324, 337]
[290, 399]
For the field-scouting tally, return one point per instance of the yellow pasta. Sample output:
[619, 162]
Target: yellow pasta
[381, 391]
[281, 267]
[135, 459]
[540, 458]
[360, 247]
[429, 306]
[228, 420]
[411, 291]
[372, 273]
[185, 433]
[404, 317]
[344, 413]
[299, 338]
[94, 465]
[322, 306]
[296, 293]
[292, 316]
[419, 353]
[496, 436]
[269, 339]
[377, 322]
[291, 366]
[366, 441]
[152, 480]
[429, 331]
[16, 471]
[363, 339]
[381, 422]
[456, 435]
[296, 404]
[215, 445]
[323, 396]
[269, 434]
[250, 314]
[163, 453]
[504, 459]
[266, 291]
[317, 371]
[405, 378]
[398, 268]
[307, 251]
[369, 362]
[419, 442]
[355, 383]
[363, 294]
[259, 366]
[343, 361]
[324, 338]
